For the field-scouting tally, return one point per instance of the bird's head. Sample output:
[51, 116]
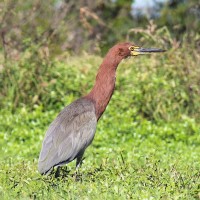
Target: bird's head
[127, 49]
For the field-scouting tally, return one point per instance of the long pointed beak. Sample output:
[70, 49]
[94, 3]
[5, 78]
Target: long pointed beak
[139, 50]
[149, 50]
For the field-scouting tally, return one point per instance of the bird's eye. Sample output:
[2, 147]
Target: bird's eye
[131, 48]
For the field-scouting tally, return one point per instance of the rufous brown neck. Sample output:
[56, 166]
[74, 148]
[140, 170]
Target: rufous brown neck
[104, 86]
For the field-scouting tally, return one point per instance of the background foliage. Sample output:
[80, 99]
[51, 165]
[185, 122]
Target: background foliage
[147, 142]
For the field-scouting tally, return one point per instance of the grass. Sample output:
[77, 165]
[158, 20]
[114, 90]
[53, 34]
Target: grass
[134, 160]
[146, 145]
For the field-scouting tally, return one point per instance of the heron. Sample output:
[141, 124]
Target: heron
[74, 128]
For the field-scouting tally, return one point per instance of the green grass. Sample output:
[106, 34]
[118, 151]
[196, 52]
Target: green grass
[146, 145]
[127, 160]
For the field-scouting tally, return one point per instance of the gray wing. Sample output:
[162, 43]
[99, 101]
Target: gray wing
[68, 135]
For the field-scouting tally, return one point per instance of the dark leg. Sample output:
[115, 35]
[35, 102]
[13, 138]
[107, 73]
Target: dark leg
[78, 164]
[57, 174]
[79, 160]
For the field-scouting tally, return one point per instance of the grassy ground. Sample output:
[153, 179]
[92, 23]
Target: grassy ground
[146, 145]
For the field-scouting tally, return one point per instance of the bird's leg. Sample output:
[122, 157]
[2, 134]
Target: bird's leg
[78, 164]
[79, 160]
[57, 174]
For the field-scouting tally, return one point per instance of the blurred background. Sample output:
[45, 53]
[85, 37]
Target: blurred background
[148, 141]
[37, 37]
[92, 26]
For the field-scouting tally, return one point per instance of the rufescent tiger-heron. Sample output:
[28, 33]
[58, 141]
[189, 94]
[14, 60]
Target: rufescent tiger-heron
[74, 128]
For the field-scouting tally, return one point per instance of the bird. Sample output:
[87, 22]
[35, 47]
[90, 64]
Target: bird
[74, 128]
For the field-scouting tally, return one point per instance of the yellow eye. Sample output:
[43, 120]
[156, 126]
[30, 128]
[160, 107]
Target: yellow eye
[131, 48]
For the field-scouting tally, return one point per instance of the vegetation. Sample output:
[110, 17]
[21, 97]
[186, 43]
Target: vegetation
[147, 143]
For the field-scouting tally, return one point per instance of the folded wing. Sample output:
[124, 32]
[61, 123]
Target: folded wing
[68, 135]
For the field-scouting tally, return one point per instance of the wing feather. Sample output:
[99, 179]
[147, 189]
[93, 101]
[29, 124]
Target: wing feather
[68, 135]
